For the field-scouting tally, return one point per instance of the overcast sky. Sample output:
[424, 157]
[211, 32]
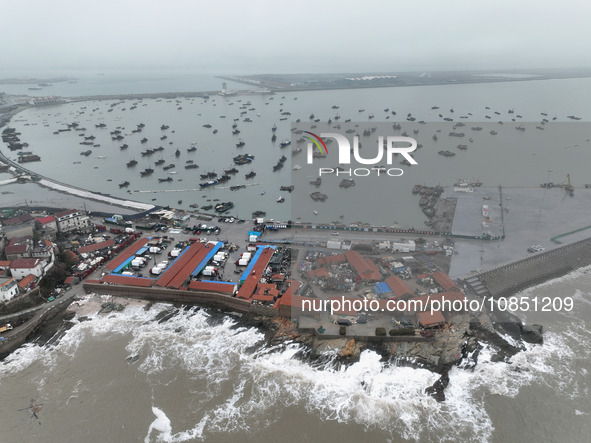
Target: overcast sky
[227, 36]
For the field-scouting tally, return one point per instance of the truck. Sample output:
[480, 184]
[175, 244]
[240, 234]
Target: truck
[156, 270]
[6, 327]
[129, 230]
[174, 253]
[138, 262]
[115, 230]
[220, 256]
[100, 228]
[209, 271]
[155, 250]
[242, 262]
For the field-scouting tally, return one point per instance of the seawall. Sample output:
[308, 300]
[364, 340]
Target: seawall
[510, 278]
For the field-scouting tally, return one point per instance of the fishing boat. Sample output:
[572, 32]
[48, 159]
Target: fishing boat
[208, 183]
[224, 207]
[146, 172]
[318, 196]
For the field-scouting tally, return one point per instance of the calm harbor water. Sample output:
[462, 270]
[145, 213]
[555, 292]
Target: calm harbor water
[511, 158]
[196, 378]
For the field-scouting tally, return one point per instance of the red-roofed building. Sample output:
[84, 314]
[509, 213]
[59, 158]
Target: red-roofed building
[263, 298]
[71, 254]
[18, 247]
[128, 252]
[212, 286]
[444, 281]
[47, 224]
[22, 267]
[249, 286]
[319, 273]
[398, 287]
[332, 259]
[96, 246]
[4, 264]
[180, 270]
[267, 289]
[27, 283]
[431, 320]
[365, 268]
[128, 280]
[71, 281]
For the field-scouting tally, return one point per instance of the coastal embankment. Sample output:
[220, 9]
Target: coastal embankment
[15, 338]
[510, 278]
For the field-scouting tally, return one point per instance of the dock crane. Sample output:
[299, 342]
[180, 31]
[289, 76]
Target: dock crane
[568, 187]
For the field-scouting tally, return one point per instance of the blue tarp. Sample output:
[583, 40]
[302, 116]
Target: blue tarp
[132, 276]
[123, 265]
[254, 260]
[141, 251]
[208, 257]
[382, 288]
[257, 233]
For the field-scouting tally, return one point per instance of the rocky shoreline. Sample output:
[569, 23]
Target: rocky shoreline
[457, 344]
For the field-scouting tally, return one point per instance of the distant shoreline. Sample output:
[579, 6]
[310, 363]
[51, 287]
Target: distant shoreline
[277, 87]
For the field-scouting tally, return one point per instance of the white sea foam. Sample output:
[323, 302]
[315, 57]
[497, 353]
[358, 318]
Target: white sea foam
[247, 388]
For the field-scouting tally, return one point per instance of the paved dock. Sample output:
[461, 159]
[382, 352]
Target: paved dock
[531, 216]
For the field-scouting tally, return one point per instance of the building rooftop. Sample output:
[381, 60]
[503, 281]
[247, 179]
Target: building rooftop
[26, 281]
[17, 245]
[211, 286]
[24, 263]
[64, 213]
[47, 219]
[444, 281]
[398, 287]
[127, 280]
[24, 218]
[96, 246]
[431, 319]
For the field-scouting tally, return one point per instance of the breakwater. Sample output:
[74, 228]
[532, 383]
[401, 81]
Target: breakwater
[510, 278]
